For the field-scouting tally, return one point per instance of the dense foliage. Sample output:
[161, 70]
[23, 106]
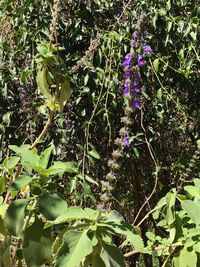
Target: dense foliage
[99, 131]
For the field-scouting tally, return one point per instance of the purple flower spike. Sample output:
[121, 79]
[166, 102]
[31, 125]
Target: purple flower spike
[136, 88]
[127, 61]
[147, 48]
[140, 60]
[136, 104]
[126, 141]
[135, 36]
[126, 88]
[137, 76]
[127, 74]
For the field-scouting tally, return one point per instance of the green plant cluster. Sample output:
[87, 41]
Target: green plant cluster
[73, 193]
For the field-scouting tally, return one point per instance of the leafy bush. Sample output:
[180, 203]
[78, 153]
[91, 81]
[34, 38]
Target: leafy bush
[99, 121]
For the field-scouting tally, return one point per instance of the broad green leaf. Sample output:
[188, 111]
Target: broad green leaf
[61, 167]
[115, 216]
[5, 253]
[51, 206]
[42, 83]
[112, 256]
[71, 214]
[11, 162]
[75, 247]
[187, 258]
[197, 182]
[44, 157]
[97, 261]
[65, 94]
[192, 209]
[123, 228]
[14, 217]
[94, 154]
[20, 182]
[27, 155]
[192, 190]
[37, 244]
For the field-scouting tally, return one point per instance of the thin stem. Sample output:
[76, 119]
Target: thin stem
[45, 129]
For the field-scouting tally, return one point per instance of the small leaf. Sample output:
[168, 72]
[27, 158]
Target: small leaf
[12, 162]
[75, 247]
[112, 256]
[94, 154]
[2, 184]
[62, 167]
[193, 190]
[37, 244]
[14, 218]
[21, 182]
[65, 94]
[42, 83]
[159, 94]
[156, 64]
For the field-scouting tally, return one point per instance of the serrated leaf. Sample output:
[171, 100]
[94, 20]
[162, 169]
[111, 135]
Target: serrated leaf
[21, 182]
[187, 258]
[37, 244]
[192, 209]
[112, 256]
[71, 214]
[75, 247]
[61, 167]
[51, 206]
[192, 190]
[44, 157]
[11, 162]
[123, 228]
[14, 217]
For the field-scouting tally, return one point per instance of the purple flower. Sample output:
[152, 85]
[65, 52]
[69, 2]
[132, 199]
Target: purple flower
[126, 141]
[140, 60]
[127, 74]
[136, 104]
[126, 88]
[136, 88]
[135, 36]
[127, 61]
[146, 48]
[137, 76]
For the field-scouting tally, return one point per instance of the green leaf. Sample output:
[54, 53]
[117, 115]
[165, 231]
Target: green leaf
[37, 244]
[123, 228]
[51, 206]
[27, 155]
[112, 256]
[159, 94]
[5, 253]
[71, 214]
[42, 83]
[192, 209]
[94, 154]
[193, 190]
[65, 94]
[44, 158]
[75, 247]
[11, 162]
[14, 218]
[20, 182]
[156, 64]
[2, 184]
[187, 258]
[61, 167]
